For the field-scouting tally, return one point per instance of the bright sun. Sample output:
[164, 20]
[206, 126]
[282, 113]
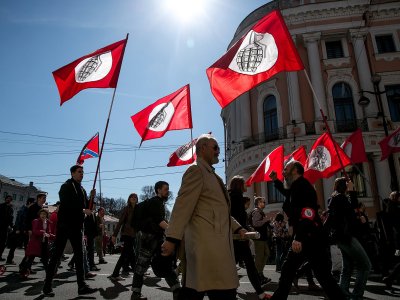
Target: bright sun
[184, 10]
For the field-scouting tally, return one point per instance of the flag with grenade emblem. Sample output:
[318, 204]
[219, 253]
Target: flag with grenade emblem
[264, 51]
[171, 112]
[99, 69]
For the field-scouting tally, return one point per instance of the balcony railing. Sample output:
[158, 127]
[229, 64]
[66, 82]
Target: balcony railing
[350, 125]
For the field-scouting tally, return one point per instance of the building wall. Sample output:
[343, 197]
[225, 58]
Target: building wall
[312, 24]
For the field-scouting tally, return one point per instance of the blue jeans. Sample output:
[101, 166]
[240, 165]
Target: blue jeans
[354, 257]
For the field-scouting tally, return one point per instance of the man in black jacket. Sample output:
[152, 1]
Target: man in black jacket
[73, 207]
[308, 238]
[150, 239]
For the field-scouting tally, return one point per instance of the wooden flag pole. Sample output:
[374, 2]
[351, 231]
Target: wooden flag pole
[326, 124]
[105, 131]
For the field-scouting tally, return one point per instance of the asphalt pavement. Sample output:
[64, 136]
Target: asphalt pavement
[12, 287]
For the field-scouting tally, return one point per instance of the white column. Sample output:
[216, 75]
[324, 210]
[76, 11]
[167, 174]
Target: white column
[364, 74]
[245, 116]
[327, 184]
[312, 40]
[382, 176]
[238, 133]
[294, 97]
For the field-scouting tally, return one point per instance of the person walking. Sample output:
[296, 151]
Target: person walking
[344, 224]
[150, 238]
[73, 207]
[6, 222]
[20, 235]
[262, 224]
[202, 225]
[128, 234]
[309, 241]
[38, 245]
[100, 235]
[242, 247]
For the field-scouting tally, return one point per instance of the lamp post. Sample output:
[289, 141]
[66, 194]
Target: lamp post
[364, 101]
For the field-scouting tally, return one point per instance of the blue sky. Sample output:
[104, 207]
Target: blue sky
[41, 140]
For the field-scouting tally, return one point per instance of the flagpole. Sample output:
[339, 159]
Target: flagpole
[326, 124]
[105, 131]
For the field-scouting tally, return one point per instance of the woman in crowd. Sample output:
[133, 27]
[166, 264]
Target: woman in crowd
[38, 243]
[127, 237]
[242, 248]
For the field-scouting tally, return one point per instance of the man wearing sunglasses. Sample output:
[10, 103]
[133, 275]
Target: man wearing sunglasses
[201, 224]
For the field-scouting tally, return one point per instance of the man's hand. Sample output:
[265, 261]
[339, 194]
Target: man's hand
[87, 211]
[167, 248]
[93, 193]
[273, 175]
[242, 233]
[296, 246]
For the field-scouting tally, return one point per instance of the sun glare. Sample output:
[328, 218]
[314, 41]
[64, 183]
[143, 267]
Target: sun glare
[184, 10]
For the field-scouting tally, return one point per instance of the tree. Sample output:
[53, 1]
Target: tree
[148, 192]
[112, 206]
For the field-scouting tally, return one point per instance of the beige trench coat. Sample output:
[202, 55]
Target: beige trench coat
[201, 215]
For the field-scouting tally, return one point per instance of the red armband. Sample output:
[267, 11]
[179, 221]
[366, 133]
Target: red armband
[308, 213]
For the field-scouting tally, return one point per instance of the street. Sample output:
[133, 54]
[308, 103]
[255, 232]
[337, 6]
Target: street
[12, 287]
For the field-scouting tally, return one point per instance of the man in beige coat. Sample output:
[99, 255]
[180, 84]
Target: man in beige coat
[201, 215]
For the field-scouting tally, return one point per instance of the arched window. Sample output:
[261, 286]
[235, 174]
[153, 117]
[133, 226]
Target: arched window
[270, 118]
[344, 108]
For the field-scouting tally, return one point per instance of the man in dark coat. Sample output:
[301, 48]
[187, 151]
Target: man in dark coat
[6, 222]
[73, 207]
[309, 241]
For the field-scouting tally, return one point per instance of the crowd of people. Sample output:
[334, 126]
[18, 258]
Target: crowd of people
[200, 235]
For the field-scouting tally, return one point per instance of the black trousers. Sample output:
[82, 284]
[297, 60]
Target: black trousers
[243, 253]
[3, 239]
[90, 250]
[191, 294]
[75, 237]
[127, 257]
[318, 257]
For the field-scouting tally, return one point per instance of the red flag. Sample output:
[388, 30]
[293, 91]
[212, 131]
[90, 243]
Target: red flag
[91, 149]
[184, 155]
[171, 112]
[390, 144]
[272, 162]
[264, 51]
[99, 69]
[299, 154]
[354, 147]
[323, 160]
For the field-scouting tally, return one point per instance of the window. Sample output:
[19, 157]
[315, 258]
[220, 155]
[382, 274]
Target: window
[5, 195]
[270, 119]
[385, 43]
[393, 98]
[21, 198]
[334, 49]
[14, 196]
[344, 108]
[274, 196]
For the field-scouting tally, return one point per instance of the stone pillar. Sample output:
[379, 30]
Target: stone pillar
[311, 40]
[382, 176]
[294, 97]
[245, 116]
[364, 72]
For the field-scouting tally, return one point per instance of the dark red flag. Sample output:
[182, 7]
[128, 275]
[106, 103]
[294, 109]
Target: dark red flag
[299, 154]
[272, 162]
[390, 144]
[264, 51]
[354, 147]
[184, 155]
[171, 112]
[90, 150]
[99, 69]
[323, 160]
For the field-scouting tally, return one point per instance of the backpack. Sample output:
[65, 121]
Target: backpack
[140, 216]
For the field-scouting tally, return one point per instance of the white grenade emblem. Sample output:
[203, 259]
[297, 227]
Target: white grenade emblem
[92, 65]
[251, 56]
